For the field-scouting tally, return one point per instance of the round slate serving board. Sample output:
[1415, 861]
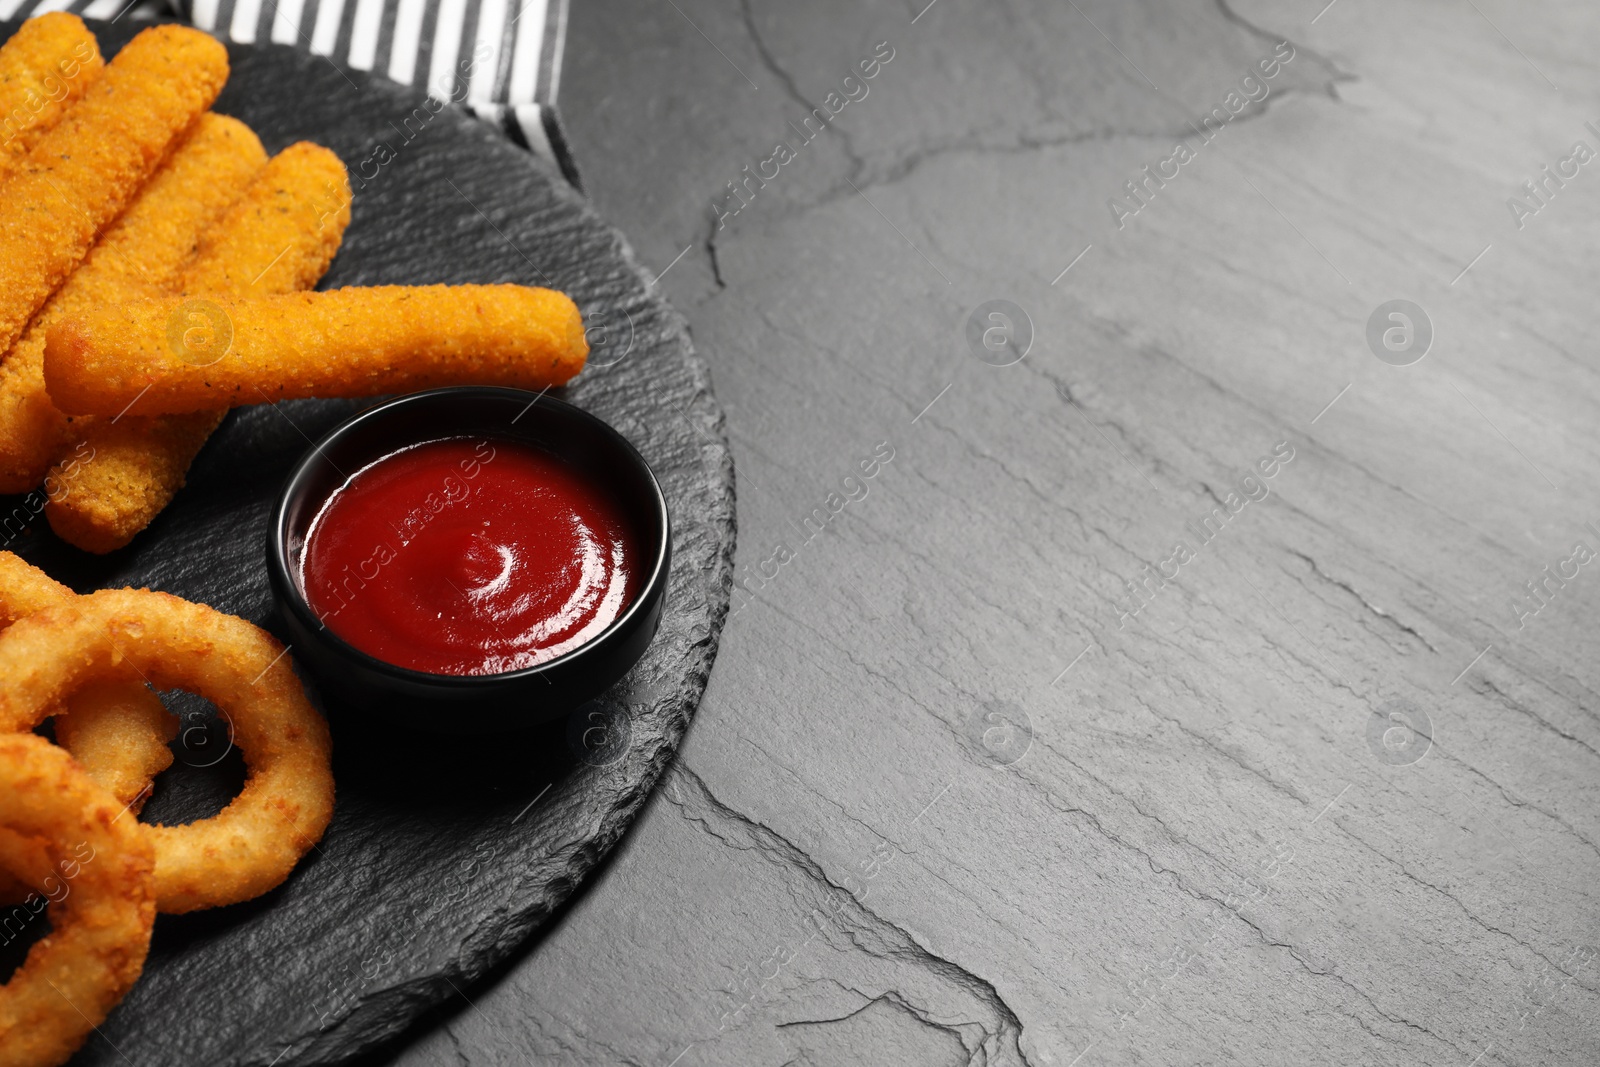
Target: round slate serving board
[444, 854]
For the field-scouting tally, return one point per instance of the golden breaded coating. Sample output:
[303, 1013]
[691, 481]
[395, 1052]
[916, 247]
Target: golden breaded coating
[139, 465]
[279, 237]
[119, 730]
[254, 843]
[141, 255]
[25, 863]
[100, 931]
[121, 735]
[347, 342]
[25, 589]
[82, 173]
[45, 68]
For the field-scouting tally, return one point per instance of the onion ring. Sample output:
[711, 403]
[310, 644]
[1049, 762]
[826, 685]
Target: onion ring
[24, 865]
[253, 844]
[30, 874]
[100, 932]
[25, 589]
[119, 732]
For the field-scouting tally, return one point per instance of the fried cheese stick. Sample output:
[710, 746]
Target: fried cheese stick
[278, 238]
[45, 68]
[81, 174]
[141, 255]
[347, 342]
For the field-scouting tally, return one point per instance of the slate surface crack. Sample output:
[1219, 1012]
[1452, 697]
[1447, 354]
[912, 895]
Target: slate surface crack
[711, 252]
[974, 144]
[1067, 807]
[864, 177]
[868, 827]
[899, 1000]
[1513, 800]
[455, 1045]
[792, 88]
[972, 448]
[1178, 880]
[1339, 75]
[1362, 1023]
[1481, 683]
[1369, 605]
[1490, 927]
[891, 942]
[1342, 980]
[1272, 783]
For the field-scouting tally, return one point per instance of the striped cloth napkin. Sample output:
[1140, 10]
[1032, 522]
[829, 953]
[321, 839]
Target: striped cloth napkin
[501, 59]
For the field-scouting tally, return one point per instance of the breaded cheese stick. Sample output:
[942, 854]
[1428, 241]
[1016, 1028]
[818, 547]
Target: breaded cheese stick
[141, 255]
[347, 342]
[45, 68]
[81, 174]
[123, 725]
[279, 237]
[283, 235]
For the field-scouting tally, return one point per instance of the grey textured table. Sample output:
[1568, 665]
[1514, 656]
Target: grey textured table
[989, 771]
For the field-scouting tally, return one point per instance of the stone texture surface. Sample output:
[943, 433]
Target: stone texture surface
[1200, 858]
[444, 854]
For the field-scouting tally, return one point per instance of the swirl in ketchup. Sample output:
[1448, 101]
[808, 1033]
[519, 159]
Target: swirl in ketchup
[469, 556]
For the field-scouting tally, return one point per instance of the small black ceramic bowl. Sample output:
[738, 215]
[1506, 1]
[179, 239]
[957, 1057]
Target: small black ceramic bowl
[356, 683]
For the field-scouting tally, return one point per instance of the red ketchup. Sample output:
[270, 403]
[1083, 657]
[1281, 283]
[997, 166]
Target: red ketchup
[469, 556]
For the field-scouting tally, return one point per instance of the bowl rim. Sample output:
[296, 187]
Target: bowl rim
[361, 422]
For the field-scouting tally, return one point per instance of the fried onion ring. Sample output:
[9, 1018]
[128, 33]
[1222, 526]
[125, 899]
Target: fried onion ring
[100, 931]
[253, 844]
[118, 731]
[32, 875]
[24, 865]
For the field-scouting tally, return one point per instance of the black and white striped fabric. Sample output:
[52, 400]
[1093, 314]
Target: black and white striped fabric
[501, 59]
[89, 9]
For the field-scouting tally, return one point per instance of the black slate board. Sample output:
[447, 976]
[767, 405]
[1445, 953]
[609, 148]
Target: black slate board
[443, 855]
